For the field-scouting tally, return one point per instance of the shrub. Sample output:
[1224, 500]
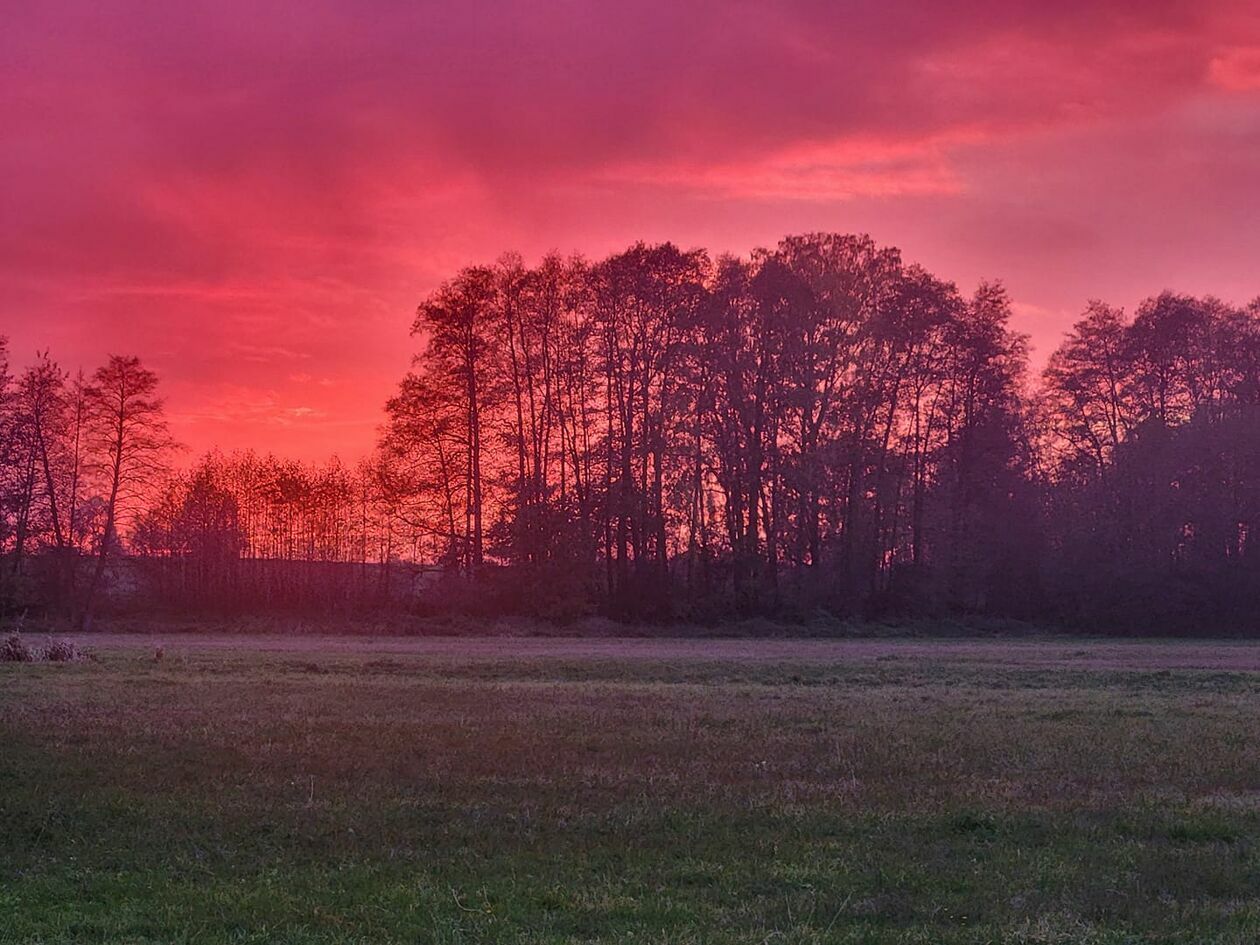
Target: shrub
[62, 651]
[13, 649]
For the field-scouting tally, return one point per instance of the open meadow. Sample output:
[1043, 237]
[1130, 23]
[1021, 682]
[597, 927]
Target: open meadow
[379, 790]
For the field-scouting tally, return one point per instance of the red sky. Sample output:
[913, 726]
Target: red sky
[254, 201]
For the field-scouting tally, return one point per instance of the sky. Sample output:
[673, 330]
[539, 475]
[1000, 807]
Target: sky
[254, 197]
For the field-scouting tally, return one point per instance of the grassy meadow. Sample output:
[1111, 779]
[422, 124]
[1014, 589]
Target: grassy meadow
[337, 790]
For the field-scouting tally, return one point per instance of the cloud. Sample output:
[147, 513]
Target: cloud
[835, 170]
[233, 190]
[1237, 69]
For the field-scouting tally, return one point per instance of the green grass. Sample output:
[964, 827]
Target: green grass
[367, 793]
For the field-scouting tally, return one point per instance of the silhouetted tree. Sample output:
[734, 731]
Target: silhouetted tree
[819, 426]
[129, 444]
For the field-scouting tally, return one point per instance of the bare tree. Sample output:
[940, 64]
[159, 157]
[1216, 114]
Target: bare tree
[129, 444]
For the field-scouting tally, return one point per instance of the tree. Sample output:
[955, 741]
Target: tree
[1087, 409]
[129, 445]
[425, 445]
[458, 321]
[645, 302]
[50, 408]
[818, 426]
[738, 389]
[987, 456]
[10, 475]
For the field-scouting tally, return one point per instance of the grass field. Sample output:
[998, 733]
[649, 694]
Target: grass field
[248, 789]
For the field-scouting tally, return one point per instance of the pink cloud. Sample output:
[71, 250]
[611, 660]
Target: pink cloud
[248, 196]
[1237, 69]
[835, 170]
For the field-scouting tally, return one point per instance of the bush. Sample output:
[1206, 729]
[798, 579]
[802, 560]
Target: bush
[62, 651]
[13, 649]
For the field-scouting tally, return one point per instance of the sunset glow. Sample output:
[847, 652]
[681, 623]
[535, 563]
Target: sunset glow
[679, 471]
[255, 202]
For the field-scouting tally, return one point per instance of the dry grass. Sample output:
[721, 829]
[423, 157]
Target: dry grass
[15, 648]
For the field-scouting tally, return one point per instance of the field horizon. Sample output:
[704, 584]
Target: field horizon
[389, 625]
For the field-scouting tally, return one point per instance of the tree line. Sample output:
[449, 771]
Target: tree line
[819, 428]
[79, 456]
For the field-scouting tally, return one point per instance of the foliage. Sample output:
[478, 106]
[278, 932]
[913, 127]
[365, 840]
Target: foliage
[62, 651]
[660, 435]
[14, 649]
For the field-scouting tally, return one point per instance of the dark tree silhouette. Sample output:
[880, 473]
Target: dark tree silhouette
[127, 431]
[818, 428]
